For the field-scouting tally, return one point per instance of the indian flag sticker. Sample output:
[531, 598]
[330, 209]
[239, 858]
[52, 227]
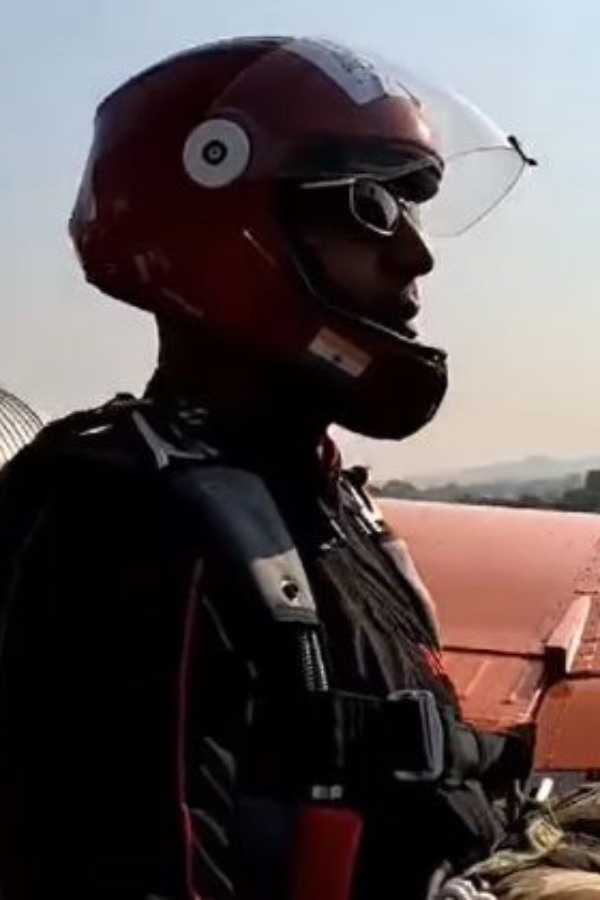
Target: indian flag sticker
[339, 352]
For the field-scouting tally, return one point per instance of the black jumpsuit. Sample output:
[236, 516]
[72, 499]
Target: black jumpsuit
[125, 689]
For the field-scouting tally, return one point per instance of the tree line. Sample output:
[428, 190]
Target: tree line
[575, 494]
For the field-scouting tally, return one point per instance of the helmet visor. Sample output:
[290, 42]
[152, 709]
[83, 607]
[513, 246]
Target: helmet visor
[311, 111]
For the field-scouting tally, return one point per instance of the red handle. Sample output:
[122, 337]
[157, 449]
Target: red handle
[326, 850]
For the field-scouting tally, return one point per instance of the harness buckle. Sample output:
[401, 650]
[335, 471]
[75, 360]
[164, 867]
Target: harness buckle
[417, 733]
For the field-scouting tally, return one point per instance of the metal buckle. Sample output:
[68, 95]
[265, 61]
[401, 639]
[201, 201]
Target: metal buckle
[417, 711]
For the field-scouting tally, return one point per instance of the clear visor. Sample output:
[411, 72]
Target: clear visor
[312, 111]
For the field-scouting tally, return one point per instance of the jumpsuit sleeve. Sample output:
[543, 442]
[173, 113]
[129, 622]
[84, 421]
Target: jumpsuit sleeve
[116, 773]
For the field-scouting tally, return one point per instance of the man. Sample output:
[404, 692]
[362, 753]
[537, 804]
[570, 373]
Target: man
[218, 676]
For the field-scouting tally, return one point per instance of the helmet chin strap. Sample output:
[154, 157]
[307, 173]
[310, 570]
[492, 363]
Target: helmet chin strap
[373, 381]
[414, 375]
[311, 274]
[318, 285]
[320, 288]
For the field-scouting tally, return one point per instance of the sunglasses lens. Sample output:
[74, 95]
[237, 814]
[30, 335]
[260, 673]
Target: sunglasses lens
[374, 207]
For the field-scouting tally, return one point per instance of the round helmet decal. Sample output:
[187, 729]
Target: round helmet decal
[216, 153]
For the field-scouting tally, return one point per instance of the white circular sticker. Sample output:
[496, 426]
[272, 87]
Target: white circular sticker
[216, 153]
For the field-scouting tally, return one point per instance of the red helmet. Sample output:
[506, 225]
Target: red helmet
[178, 210]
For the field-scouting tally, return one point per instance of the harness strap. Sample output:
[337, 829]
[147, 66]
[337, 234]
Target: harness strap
[237, 524]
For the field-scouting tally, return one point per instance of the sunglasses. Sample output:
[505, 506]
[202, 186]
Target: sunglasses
[374, 206]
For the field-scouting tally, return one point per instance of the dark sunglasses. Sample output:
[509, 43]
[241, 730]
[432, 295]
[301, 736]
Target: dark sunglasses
[374, 206]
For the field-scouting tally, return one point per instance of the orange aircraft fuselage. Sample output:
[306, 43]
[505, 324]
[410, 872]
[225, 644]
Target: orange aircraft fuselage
[518, 597]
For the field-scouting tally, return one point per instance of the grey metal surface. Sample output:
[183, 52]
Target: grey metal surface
[18, 425]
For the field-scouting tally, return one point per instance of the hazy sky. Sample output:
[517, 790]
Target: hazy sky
[515, 301]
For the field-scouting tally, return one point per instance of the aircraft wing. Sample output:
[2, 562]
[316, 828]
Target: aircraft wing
[518, 595]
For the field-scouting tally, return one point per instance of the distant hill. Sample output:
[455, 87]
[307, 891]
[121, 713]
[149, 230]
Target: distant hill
[530, 469]
[578, 491]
